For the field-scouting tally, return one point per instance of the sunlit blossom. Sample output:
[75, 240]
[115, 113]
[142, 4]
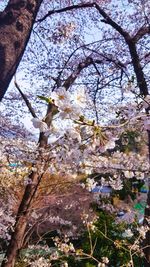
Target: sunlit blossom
[128, 174]
[74, 133]
[39, 124]
[69, 111]
[116, 183]
[60, 96]
[127, 233]
[139, 175]
[41, 262]
[90, 184]
[143, 230]
[80, 97]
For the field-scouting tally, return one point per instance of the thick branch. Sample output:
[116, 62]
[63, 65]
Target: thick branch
[68, 8]
[141, 82]
[106, 57]
[140, 33]
[70, 80]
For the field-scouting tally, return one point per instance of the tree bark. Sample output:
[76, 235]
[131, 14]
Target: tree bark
[22, 218]
[23, 214]
[16, 23]
[140, 77]
[17, 237]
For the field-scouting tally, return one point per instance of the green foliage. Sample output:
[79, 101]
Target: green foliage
[105, 247]
[107, 241]
[46, 99]
[89, 265]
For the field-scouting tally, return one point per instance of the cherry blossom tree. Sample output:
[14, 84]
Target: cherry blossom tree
[107, 67]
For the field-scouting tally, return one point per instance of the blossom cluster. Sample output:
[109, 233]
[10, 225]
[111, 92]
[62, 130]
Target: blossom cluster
[7, 222]
[83, 147]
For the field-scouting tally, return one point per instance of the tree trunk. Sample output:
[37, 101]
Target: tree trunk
[22, 218]
[16, 23]
[23, 214]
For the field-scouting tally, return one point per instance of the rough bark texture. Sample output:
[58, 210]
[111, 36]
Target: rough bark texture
[16, 23]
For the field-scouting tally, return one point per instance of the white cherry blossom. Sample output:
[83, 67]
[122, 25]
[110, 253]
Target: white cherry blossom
[69, 111]
[128, 174]
[127, 233]
[116, 183]
[143, 230]
[61, 96]
[39, 124]
[80, 97]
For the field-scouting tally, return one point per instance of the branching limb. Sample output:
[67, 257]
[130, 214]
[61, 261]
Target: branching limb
[140, 33]
[106, 17]
[69, 81]
[28, 104]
